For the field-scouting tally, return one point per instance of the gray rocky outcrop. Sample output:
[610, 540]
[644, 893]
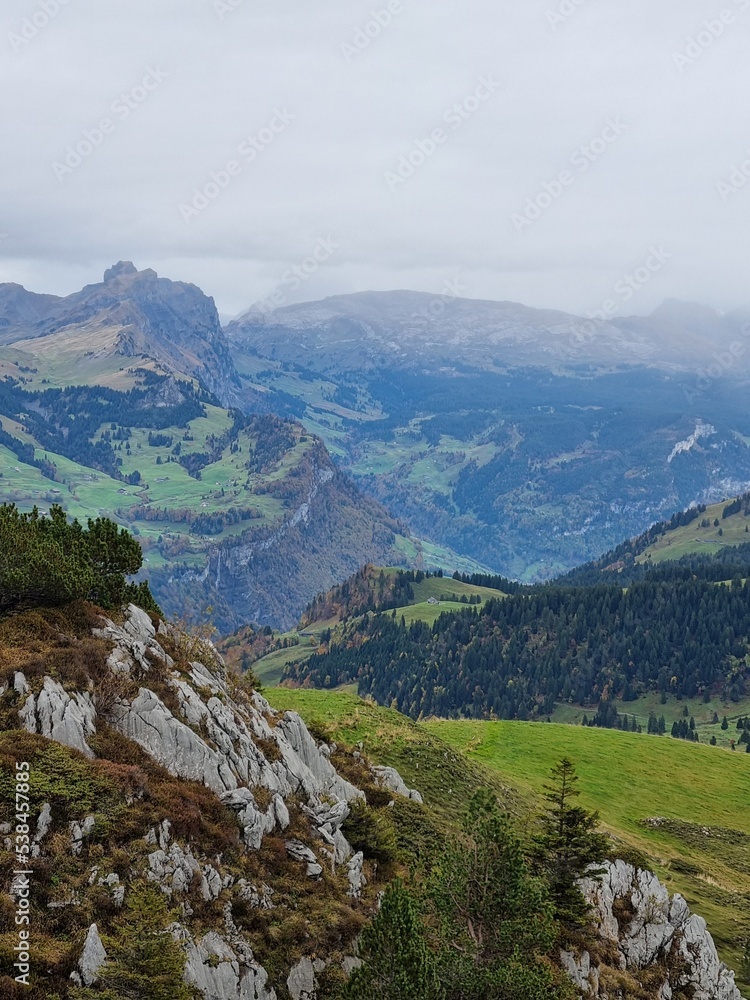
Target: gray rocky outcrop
[388, 777]
[201, 726]
[356, 876]
[79, 832]
[301, 981]
[220, 971]
[59, 716]
[634, 912]
[300, 852]
[92, 959]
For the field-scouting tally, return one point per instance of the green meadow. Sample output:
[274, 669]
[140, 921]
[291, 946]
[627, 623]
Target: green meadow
[683, 807]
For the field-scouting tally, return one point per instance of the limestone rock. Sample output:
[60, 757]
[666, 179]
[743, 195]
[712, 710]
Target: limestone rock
[20, 684]
[350, 963]
[65, 718]
[656, 931]
[92, 958]
[79, 832]
[389, 778]
[173, 870]
[581, 972]
[356, 875]
[301, 981]
[43, 822]
[326, 780]
[215, 969]
[299, 852]
[149, 723]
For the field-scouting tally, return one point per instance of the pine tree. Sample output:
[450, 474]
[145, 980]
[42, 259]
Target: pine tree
[569, 845]
[494, 916]
[144, 962]
[397, 962]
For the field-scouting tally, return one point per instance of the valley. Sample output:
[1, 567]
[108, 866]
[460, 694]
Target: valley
[495, 429]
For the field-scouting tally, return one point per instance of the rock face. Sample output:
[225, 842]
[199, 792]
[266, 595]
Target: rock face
[634, 913]
[389, 777]
[59, 716]
[202, 727]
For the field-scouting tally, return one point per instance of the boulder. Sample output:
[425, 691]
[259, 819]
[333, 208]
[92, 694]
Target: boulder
[92, 958]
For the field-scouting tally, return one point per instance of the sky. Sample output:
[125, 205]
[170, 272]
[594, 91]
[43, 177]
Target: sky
[539, 151]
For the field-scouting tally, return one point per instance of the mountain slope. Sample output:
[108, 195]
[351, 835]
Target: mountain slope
[530, 441]
[246, 513]
[109, 405]
[679, 805]
[170, 804]
[612, 632]
[131, 314]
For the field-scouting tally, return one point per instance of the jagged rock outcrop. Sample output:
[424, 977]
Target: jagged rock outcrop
[389, 778]
[633, 912]
[196, 722]
[92, 959]
[301, 982]
[221, 972]
[68, 719]
[356, 875]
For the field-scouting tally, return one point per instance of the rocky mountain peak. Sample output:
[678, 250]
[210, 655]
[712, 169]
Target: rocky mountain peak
[122, 267]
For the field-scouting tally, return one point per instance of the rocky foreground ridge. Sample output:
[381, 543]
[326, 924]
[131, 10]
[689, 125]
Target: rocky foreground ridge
[642, 930]
[183, 779]
[267, 771]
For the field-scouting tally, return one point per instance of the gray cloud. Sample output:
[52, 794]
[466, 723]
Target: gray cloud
[118, 115]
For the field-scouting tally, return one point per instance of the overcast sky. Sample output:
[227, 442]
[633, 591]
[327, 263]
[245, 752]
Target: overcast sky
[420, 146]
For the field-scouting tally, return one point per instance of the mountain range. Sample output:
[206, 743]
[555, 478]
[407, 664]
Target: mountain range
[265, 461]
[528, 440]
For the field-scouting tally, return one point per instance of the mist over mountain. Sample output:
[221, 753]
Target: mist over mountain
[528, 440]
[369, 330]
[518, 440]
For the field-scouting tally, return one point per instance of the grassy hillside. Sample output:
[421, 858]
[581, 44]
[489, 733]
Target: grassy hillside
[685, 806]
[673, 710]
[430, 598]
[703, 536]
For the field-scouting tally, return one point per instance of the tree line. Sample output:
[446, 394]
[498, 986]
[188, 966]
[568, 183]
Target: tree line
[517, 657]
